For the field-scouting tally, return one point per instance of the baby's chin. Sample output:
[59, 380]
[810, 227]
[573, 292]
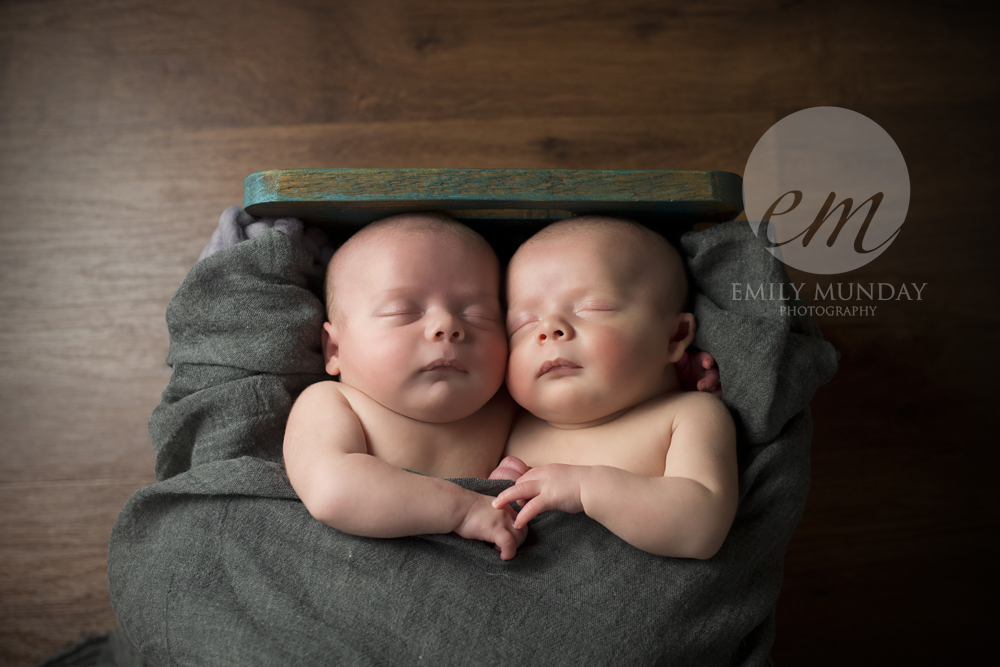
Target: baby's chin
[440, 407]
[572, 406]
[578, 421]
[574, 415]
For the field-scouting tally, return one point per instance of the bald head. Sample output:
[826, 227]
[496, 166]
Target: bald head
[372, 238]
[637, 254]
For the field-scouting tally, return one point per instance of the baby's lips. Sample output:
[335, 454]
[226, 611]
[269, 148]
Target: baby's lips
[556, 363]
[445, 363]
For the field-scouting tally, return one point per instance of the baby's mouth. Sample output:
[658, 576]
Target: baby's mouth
[555, 365]
[445, 364]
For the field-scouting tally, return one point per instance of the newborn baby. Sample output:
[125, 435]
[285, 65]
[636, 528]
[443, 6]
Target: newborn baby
[416, 334]
[595, 325]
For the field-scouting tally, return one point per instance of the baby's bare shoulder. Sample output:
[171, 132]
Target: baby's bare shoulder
[328, 390]
[680, 406]
[331, 391]
[703, 443]
[322, 419]
[691, 418]
[699, 405]
[319, 400]
[701, 422]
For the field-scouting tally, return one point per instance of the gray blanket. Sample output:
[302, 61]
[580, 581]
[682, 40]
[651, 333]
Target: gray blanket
[219, 563]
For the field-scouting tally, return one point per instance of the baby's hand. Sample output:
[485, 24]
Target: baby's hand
[510, 468]
[697, 372]
[550, 487]
[485, 522]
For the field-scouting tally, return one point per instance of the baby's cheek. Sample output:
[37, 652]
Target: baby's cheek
[498, 350]
[624, 360]
[383, 374]
[494, 362]
[518, 376]
[390, 362]
[613, 350]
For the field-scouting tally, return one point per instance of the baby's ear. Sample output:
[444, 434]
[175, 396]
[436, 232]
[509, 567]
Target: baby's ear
[682, 337]
[331, 351]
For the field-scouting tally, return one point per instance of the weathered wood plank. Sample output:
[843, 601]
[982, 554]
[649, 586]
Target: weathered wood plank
[363, 195]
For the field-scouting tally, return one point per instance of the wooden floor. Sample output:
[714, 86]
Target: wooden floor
[127, 126]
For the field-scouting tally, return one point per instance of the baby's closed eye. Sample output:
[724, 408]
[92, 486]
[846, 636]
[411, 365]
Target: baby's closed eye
[595, 307]
[399, 309]
[482, 316]
[523, 322]
[481, 313]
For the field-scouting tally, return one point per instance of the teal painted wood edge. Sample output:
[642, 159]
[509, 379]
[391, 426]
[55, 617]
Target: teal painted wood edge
[505, 186]
[360, 194]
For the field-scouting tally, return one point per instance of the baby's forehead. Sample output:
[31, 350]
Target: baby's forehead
[396, 234]
[620, 251]
[614, 245]
[370, 258]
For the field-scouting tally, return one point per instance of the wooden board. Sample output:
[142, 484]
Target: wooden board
[362, 195]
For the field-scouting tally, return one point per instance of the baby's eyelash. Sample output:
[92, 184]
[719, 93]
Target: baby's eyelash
[395, 311]
[480, 313]
[519, 324]
[597, 305]
[399, 318]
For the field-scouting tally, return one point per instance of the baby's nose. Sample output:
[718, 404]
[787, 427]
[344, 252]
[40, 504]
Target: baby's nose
[447, 328]
[450, 333]
[553, 329]
[551, 334]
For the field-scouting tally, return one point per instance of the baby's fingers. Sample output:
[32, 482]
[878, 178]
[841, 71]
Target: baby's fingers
[520, 534]
[519, 491]
[710, 381]
[506, 543]
[534, 507]
[517, 537]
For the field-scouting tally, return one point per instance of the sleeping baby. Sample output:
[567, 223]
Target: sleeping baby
[595, 326]
[416, 333]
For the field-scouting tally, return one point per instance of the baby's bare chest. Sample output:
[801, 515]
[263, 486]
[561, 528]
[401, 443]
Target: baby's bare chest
[637, 443]
[470, 447]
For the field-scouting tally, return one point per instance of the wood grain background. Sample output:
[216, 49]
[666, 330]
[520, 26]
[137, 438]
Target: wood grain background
[127, 126]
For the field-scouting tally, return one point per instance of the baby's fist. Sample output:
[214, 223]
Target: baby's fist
[511, 468]
[484, 522]
[697, 372]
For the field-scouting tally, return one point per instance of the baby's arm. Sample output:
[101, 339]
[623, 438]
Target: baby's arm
[686, 513]
[345, 487]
